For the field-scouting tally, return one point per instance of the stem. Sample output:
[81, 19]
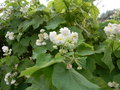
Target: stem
[82, 28]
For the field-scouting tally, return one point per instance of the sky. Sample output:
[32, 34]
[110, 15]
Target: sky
[103, 5]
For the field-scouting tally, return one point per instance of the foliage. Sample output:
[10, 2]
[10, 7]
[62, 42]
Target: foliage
[29, 63]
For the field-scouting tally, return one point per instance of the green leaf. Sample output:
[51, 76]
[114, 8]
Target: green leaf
[38, 83]
[98, 60]
[59, 5]
[116, 48]
[85, 49]
[117, 53]
[91, 64]
[24, 25]
[94, 11]
[116, 45]
[9, 60]
[42, 59]
[24, 64]
[55, 22]
[3, 85]
[36, 21]
[49, 46]
[18, 49]
[82, 61]
[86, 73]
[107, 59]
[118, 64]
[65, 79]
[33, 39]
[25, 41]
[99, 81]
[78, 2]
[116, 78]
[29, 71]
[12, 61]
[37, 51]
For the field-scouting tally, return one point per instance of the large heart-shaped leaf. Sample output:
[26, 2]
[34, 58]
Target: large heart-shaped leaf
[65, 79]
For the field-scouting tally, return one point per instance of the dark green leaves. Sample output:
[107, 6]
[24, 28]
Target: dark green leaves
[118, 64]
[25, 41]
[65, 79]
[43, 61]
[38, 83]
[10, 61]
[18, 49]
[85, 49]
[25, 64]
[107, 59]
[55, 22]
[35, 22]
[37, 51]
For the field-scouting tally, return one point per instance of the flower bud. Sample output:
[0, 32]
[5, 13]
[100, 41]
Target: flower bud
[69, 66]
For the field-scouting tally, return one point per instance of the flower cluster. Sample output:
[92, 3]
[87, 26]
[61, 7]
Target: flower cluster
[113, 84]
[10, 35]
[6, 50]
[25, 9]
[9, 78]
[4, 15]
[112, 30]
[66, 38]
[43, 36]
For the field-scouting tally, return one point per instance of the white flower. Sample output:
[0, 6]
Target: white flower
[59, 40]
[65, 31]
[13, 81]
[45, 36]
[5, 49]
[44, 43]
[9, 78]
[112, 29]
[38, 42]
[42, 30]
[74, 36]
[65, 38]
[6, 79]
[10, 35]
[52, 36]
[42, 38]
[113, 84]
[110, 84]
[25, 9]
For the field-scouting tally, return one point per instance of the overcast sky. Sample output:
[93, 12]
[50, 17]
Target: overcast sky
[103, 5]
